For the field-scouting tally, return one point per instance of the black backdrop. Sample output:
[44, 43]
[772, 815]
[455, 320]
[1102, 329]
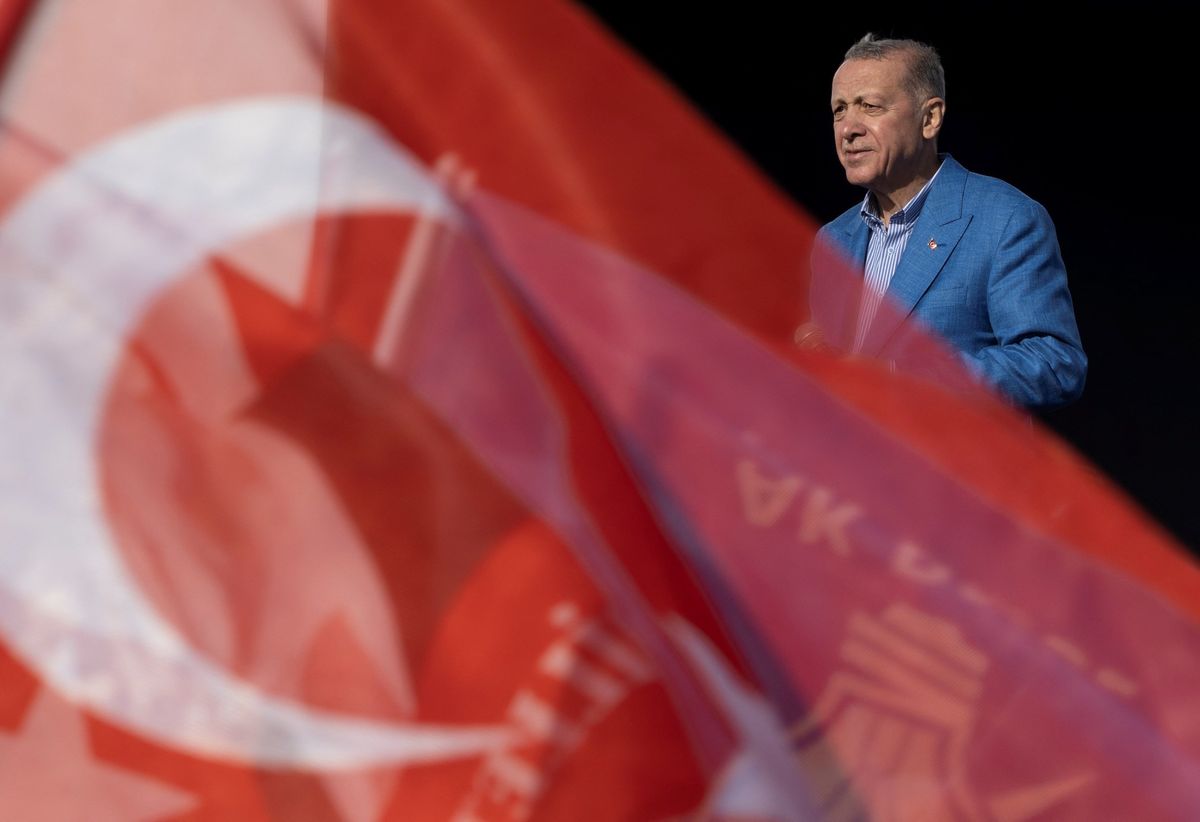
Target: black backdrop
[1088, 113]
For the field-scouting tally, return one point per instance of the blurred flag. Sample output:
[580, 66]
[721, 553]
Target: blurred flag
[397, 421]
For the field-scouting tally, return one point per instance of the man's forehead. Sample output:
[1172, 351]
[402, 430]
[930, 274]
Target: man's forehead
[855, 78]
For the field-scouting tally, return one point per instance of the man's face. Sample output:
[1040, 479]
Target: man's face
[879, 130]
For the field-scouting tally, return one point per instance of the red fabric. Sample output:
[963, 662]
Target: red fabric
[587, 493]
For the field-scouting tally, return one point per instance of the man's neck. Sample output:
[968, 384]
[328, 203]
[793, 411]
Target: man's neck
[889, 202]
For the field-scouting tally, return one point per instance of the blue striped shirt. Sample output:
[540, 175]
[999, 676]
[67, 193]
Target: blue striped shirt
[884, 250]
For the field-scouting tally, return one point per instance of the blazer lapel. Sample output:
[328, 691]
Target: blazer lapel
[855, 238]
[942, 220]
[835, 297]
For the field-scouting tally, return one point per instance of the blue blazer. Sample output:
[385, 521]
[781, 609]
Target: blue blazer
[992, 284]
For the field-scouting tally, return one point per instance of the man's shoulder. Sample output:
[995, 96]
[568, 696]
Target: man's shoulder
[846, 222]
[984, 193]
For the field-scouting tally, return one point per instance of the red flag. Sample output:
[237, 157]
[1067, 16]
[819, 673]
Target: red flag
[358, 463]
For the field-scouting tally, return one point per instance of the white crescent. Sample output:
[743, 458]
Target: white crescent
[77, 269]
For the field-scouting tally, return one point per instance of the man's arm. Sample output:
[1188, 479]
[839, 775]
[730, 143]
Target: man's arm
[1038, 360]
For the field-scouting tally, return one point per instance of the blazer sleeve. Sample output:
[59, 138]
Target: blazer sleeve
[1037, 359]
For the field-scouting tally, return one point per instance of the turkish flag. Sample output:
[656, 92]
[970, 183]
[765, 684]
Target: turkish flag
[397, 421]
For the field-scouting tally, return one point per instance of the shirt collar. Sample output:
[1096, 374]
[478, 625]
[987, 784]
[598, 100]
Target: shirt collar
[905, 216]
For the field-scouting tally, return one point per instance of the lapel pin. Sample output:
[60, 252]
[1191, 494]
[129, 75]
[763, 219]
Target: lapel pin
[932, 243]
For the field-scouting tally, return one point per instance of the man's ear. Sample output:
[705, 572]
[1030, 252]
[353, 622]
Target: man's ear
[931, 118]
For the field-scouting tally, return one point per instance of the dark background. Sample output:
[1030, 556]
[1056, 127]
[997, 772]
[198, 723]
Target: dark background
[1089, 113]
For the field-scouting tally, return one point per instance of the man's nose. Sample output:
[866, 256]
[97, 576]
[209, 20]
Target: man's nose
[850, 126]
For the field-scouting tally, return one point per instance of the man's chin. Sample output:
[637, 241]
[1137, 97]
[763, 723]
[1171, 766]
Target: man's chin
[859, 177]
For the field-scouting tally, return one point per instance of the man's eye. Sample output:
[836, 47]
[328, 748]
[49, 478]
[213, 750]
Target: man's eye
[838, 111]
[869, 107]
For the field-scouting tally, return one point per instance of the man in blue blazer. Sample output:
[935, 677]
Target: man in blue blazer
[967, 256]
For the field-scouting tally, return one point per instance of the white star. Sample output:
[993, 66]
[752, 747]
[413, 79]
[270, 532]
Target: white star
[48, 774]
